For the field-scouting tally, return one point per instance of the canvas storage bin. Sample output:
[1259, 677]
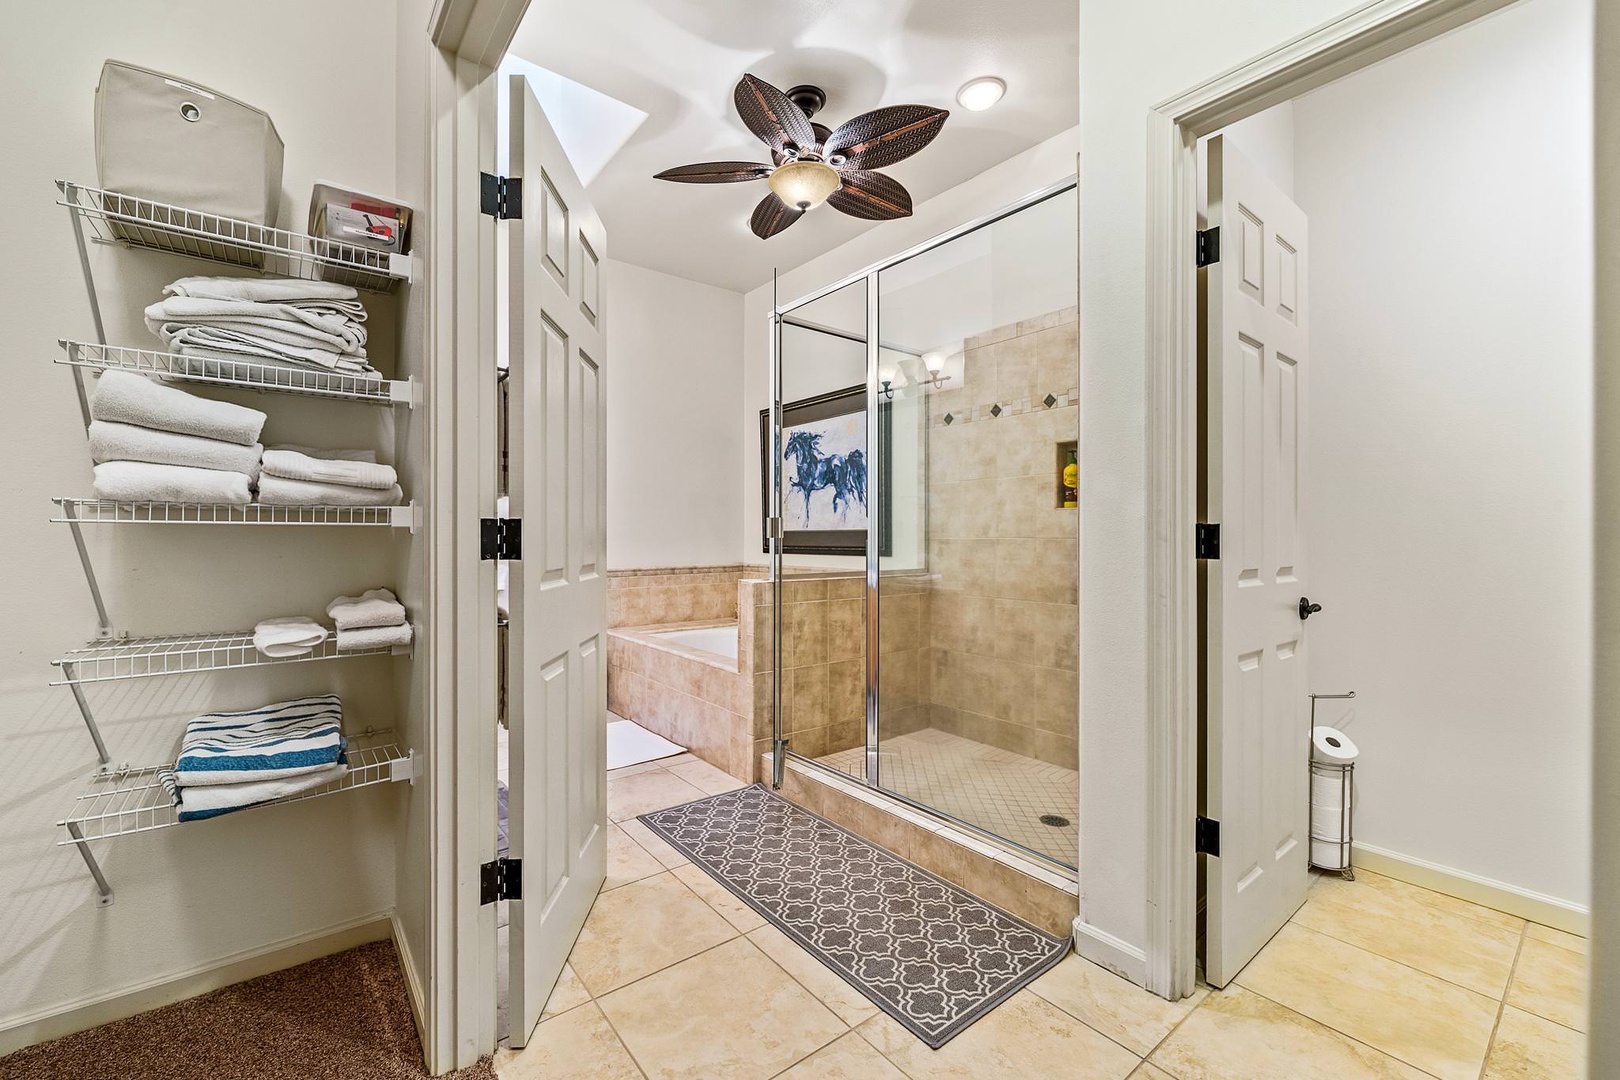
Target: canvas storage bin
[173, 141]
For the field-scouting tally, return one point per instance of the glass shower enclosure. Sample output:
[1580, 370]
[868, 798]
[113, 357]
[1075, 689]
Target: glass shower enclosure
[920, 489]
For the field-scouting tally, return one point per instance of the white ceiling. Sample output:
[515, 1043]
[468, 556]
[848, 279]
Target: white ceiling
[679, 60]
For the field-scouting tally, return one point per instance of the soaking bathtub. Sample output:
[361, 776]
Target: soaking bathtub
[721, 640]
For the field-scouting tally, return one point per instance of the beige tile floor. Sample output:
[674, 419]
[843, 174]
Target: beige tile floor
[673, 979]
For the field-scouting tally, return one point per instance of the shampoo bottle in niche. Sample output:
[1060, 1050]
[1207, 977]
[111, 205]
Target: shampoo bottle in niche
[1071, 481]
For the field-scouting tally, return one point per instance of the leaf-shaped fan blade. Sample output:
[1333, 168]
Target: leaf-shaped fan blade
[884, 136]
[716, 172]
[870, 195]
[770, 115]
[771, 216]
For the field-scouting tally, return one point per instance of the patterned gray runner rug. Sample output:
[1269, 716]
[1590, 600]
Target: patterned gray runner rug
[929, 954]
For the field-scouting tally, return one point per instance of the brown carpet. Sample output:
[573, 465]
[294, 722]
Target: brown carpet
[343, 1017]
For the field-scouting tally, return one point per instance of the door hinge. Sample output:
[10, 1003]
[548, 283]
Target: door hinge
[500, 880]
[1209, 246]
[1208, 542]
[500, 538]
[773, 528]
[500, 196]
[1207, 837]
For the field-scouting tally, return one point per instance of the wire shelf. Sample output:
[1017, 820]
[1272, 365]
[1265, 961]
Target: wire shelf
[242, 373]
[136, 222]
[133, 801]
[107, 512]
[150, 657]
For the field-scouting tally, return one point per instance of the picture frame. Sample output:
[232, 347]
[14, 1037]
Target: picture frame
[839, 491]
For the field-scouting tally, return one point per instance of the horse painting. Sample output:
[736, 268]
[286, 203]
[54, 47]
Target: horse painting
[845, 474]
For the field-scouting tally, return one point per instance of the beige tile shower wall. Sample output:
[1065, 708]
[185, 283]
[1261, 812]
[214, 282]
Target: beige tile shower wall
[1004, 615]
[824, 659]
[664, 595]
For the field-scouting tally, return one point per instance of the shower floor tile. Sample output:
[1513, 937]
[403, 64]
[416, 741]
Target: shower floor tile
[996, 790]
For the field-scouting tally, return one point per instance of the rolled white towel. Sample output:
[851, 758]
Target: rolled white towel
[295, 466]
[142, 481]
[280, 491]
[327, 455]
[373, 637]
[290, 636]
[126, 398]
[374, 607]
[111, 441]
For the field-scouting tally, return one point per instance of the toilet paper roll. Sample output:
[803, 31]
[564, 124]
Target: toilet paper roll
[1331, 744]
[1326, 856]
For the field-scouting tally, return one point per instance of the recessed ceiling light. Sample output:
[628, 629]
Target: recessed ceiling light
[978, 95]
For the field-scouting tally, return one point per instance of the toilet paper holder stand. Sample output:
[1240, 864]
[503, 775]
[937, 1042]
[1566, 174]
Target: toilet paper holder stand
[1346, 772]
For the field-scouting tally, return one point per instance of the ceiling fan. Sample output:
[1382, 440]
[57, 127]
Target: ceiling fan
[814, 164]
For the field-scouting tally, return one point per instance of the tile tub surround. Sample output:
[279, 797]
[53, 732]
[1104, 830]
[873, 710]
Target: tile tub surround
[699, 699]
[676, 594]
[1004, 615]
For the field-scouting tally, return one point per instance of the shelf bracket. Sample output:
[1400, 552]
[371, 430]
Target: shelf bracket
[91, 864]
[103, 621]
[95, 311]
[89, 718]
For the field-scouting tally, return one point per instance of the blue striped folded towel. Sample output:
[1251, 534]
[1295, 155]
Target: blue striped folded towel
[290, 738]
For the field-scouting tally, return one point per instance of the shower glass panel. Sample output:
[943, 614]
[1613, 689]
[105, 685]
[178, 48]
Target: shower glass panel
[819, 579]
[979, 705]
[958, 614]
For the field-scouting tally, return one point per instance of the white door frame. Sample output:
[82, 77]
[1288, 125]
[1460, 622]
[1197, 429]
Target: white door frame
[1354, 41]
[468, 37]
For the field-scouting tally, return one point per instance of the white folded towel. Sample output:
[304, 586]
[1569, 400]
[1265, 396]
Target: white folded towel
[295, 466]
[373, 637]
[212, 800]
[142, 481]
[267, 342]
[327, 455]
[127, 442]
[126, 398]
[280, 491]
[271, 291]
[374, 607]
[338, 331]
[291, 636]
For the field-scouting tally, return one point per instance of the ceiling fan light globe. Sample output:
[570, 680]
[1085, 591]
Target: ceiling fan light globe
[804, 184]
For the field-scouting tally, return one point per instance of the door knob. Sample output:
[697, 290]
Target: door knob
[1307, 609]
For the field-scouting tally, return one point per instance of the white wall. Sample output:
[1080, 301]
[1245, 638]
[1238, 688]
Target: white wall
[1448, 479]
[677, 364]
[996, 187]
[190, 897]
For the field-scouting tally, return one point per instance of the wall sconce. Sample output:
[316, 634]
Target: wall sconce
[935, 363]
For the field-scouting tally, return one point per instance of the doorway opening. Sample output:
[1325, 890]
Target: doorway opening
[1385, 380]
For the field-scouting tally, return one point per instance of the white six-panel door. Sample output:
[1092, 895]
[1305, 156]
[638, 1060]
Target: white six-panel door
[1256, 703]
[558, 636]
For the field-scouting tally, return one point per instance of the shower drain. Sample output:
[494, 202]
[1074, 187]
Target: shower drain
[1057, 821]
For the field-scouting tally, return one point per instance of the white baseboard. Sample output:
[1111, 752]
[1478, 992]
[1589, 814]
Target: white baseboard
[1106, 950]
[93, 1010]
[1537, 907]
[413, 987]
